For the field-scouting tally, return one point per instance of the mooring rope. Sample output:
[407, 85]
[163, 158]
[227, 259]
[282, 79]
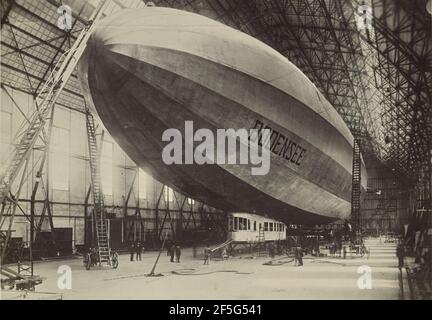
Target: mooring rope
[206, 273]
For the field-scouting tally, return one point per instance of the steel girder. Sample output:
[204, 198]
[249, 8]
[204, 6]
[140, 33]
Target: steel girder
[403, 42]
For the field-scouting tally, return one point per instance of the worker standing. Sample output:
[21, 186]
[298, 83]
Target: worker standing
[132, 250]
[172, 252]
[300, 256]
[206, 255]
[138, 248]
[271, 251]
[400, 253]
[225, 254]
[178, 253]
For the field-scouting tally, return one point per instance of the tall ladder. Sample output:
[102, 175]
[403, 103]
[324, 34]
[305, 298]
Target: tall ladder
[100, 221]
[32, 129]
[356, 185]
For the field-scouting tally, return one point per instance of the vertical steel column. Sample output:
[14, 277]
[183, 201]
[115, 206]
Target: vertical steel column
[429, 227]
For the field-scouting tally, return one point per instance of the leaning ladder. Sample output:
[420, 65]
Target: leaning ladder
[355, 192]
[100, 221]
[44, 102]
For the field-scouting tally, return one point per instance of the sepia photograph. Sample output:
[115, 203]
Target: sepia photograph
[224, 151]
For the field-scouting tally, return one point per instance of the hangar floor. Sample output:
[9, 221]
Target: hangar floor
[236, 278]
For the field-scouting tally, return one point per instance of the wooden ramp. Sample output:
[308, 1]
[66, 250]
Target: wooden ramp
[221, 246]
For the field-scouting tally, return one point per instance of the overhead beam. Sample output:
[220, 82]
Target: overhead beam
[38, 78]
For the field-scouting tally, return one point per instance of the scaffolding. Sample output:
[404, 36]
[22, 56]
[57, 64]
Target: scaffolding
[33, 135]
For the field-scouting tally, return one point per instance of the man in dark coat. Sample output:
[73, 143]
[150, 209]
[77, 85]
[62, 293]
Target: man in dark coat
[271, 251]
[400, 253]
[168, 249]
[178, 253]
[207, 254]
[138, 248]
[132, 250]
[172, 252]
[300, 256]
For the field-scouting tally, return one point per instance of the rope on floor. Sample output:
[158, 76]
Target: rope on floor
[190, 272]
[277, 262]
[134, 276]
[330, 262]
[181, 272]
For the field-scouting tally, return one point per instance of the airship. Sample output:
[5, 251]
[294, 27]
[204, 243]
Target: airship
[145, 71]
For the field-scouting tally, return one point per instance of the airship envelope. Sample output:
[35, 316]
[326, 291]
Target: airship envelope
[149, 70]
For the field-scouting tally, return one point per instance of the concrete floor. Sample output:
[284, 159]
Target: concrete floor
[236, 278]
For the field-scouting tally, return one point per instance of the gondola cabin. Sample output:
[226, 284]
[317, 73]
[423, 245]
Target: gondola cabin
[246, 227]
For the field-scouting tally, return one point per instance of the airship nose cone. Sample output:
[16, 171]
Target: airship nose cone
[99, 38]
[111, 31]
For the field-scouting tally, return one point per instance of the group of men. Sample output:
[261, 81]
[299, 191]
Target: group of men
[135, 248]
[335, 249]
[174, 250]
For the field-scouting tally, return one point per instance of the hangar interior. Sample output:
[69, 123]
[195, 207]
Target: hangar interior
[374, 67]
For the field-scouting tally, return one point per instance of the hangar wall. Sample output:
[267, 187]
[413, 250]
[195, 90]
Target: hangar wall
[386, 204]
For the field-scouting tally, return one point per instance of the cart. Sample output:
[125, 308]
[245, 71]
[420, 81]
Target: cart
[91, 259]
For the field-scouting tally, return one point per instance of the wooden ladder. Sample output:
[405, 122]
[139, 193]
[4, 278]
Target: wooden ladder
[261, 242]
[99, 215]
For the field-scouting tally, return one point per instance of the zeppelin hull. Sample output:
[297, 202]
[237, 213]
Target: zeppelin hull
[149, 70]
